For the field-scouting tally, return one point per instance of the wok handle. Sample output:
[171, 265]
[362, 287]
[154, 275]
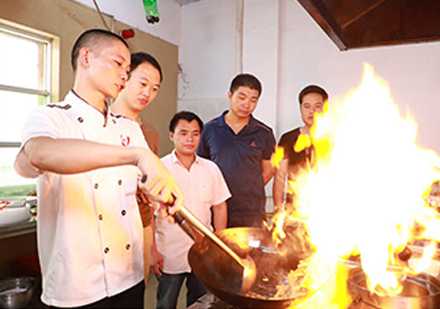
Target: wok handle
[188, 216]
[184, 224]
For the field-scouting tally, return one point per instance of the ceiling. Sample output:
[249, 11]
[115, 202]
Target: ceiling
[366, 23]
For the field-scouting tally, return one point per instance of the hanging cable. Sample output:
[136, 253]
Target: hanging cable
[100, 15]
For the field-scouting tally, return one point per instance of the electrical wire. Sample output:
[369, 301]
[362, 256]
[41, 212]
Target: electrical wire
[100, 15]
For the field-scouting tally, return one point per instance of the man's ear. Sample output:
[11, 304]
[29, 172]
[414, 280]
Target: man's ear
[229, 95]
[171, 136]
[84, 57]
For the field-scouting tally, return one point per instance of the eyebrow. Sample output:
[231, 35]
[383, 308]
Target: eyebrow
[244, 94]
[146, 79]
[121, 57]
[192, 131]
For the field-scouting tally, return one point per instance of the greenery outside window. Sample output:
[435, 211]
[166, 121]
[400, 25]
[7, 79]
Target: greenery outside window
[29, 77]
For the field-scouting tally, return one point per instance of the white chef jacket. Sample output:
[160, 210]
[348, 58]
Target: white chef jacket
[202, 186]
[89, 228]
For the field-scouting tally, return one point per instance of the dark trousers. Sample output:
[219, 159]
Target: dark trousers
[131, 298]
[169, 286]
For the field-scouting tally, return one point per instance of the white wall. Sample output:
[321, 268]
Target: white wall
[209, 52]
[207, 56]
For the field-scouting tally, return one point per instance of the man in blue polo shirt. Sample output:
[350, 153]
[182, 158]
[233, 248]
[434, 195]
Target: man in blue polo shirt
[242, 146]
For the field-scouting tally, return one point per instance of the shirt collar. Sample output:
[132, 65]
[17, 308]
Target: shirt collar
[176, 160]
[221, 122]
[86, 107]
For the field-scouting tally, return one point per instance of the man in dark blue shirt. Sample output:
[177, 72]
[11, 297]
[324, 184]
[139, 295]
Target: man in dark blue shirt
[242, 147]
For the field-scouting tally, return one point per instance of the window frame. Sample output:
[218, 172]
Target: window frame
[51, 69]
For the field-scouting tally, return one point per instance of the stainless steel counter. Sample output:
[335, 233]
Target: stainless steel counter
[18, 228]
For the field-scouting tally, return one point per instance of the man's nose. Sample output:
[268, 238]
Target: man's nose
[146, 91]
[124, 76]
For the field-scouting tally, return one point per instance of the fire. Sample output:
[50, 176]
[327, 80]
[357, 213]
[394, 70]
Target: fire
[365, 194]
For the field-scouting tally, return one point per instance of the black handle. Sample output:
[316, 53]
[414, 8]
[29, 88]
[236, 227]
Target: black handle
[184, 224]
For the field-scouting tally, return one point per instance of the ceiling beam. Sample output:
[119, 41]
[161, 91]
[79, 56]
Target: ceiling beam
[362, 14]
[320, 13]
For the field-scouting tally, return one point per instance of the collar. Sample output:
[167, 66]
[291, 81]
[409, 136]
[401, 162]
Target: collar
[84, 106]
[176, 160]
[221, 120]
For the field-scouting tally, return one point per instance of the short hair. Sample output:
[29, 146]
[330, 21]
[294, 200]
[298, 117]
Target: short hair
[246, 80]
[184, 115]
[91, 38]
[139, 58]
[312, 89]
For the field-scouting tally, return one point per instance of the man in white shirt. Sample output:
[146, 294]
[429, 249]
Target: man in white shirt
[87, 162]
[205, 189]
[141, 89]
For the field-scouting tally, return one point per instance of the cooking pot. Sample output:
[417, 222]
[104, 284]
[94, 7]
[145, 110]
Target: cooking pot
[222, 276]
[419, 291]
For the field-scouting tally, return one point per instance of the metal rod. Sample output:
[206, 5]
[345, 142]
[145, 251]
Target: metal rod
[208, 233]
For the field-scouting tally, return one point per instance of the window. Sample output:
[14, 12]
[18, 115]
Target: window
[29, 66]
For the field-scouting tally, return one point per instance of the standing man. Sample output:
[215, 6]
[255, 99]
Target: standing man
[88, 162]
[311, 100]
[205, 189]
[242, 147]
[141, 89]
[142, 86]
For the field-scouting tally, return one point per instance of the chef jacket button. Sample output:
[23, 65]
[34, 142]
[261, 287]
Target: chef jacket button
[100, 217]
[127, 246]
[80, 119]
[106, 250]
[96, 186]
[119, 182]
[114, 121]
[124, 212]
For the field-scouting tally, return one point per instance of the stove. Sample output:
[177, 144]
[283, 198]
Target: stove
[359, 304]
[210, 301]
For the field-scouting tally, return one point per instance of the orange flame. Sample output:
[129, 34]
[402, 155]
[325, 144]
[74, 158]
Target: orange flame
[277, 156]
[365, 193]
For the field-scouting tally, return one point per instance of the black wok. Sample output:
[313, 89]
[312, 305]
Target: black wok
[223, 277]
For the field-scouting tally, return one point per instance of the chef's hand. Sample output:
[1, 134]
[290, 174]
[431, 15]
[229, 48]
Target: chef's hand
[146, 207]
[156, 261]
[158, 182]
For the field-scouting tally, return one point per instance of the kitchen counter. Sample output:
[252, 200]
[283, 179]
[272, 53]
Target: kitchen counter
[18, 228]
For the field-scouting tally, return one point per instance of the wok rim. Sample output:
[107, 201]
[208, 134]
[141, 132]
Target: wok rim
[239, 299]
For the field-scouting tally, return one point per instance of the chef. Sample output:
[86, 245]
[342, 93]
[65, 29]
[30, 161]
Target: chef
[88, 163]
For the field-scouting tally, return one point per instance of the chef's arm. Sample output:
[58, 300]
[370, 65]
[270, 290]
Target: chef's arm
[220, 216]
[279, 184]
[268, 170]
[71, 156]
[156, 259]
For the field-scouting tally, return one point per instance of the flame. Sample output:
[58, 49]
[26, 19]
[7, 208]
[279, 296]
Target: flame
[277, 157]
[304, 141]
[365, 194]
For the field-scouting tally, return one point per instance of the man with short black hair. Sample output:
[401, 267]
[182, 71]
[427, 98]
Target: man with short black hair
[205, 189]
[311, 101]
[242, 147]
[88, 162]
[141, 89]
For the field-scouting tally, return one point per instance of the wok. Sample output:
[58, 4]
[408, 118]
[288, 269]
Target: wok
[223, 277]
